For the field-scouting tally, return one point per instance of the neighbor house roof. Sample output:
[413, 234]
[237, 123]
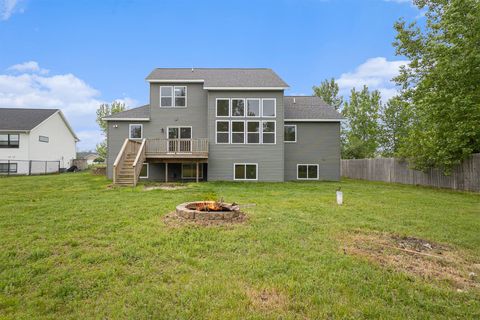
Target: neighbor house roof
[19, 119]
[221, 78]
[308, 109]
[139, 114]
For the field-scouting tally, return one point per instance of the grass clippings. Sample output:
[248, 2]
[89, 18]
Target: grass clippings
[419, 257]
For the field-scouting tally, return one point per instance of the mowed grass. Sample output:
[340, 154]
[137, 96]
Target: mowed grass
[71, 248]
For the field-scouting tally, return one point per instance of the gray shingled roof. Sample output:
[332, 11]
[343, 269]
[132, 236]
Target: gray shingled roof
[309, 107]
[135, 113]
[222, 77]
[23, 119]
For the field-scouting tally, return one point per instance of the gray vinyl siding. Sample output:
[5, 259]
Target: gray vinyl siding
[317, 143]
[222, 157]
[194, 115]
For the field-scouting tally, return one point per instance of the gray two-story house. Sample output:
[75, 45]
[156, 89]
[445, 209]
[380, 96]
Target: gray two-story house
[223, 124]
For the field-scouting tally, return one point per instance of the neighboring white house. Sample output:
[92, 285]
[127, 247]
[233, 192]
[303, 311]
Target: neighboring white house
[35, 141]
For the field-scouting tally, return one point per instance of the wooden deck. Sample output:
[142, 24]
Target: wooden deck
[177, 148]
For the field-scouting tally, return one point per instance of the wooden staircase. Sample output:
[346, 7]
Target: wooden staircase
[126, 172]
[129, 163]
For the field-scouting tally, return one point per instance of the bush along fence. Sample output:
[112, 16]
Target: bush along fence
[28, 167]
[465, 176]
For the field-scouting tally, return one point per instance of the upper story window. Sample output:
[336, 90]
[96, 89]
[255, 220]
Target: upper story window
[223, 131]
[238, 107]
[268, 108]
[238, 131]
[173, 96]
[253, 131]
[180, 96]
[253, 107]
[135, 131]
[223, 107]
[290, 134]
[268, 130]
[9, 140]
[43, 139]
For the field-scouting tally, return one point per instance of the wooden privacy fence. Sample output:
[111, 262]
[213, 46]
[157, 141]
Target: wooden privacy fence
[465, 176]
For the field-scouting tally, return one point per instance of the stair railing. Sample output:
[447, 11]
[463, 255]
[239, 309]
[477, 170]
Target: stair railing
[119, 160]
[138, 163]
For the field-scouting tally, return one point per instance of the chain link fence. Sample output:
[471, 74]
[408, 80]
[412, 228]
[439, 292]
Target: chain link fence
[28, 167]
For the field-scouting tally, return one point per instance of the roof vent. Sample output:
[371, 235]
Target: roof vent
[294, 100]
[192, 69]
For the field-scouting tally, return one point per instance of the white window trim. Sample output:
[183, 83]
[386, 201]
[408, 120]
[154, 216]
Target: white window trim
[296, 132]
[259, 132]
[245, 164]
[309, 164]
[173, 97]
[231, 108]
[130, 131]
[148, 171]
[160, 94]
[216, 107]
[186, 95]
[231, 132]
[228, 132]
[274, 132]
[274, 108]
[259, 107]
[179, 128]
[200, 169]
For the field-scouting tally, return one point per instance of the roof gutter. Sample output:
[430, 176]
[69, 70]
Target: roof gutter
[126, 119]
[314, 120]
[245, 88]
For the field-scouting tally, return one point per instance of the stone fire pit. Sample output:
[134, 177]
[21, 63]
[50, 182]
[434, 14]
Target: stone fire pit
[208, 210]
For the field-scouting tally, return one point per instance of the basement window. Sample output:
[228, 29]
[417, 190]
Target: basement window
[307, 171]
[245, 171]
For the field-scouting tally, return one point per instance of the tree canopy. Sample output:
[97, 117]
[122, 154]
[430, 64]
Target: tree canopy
[328, 91]
[441, 84]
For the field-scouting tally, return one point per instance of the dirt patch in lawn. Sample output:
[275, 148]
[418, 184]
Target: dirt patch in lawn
[267, 299]
[420, 257]
[173, 220]
[164, 186]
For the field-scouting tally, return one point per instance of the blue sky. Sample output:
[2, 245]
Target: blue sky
[75, 55]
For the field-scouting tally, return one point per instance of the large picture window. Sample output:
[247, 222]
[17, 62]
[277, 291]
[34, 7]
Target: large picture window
[238, 131]
[9, 140]
[253, 107]
[268, 132]
[245, 171]
[290, 134]
[11, 167]
[189, 171]
[223, 107]
[268, 108]
[253, 131]
[238, 107]
[173, 96]
[135, 131]
[307, 171]
[223, 132]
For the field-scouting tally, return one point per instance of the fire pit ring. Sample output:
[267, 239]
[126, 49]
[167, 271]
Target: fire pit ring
[208, 210]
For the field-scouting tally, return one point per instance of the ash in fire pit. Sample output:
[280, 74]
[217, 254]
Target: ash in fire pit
[208, 210]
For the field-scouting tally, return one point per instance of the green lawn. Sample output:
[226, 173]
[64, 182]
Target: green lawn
[72, 248]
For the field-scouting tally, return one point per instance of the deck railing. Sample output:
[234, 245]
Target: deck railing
[178, 148]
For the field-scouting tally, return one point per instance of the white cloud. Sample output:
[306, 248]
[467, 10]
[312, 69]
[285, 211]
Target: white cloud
[29, 66]
[76, 98]
[7, 8]
[376, 73]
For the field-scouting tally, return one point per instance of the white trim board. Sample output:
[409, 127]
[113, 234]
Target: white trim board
[245, 88]
[313, 120]
[126, 119]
